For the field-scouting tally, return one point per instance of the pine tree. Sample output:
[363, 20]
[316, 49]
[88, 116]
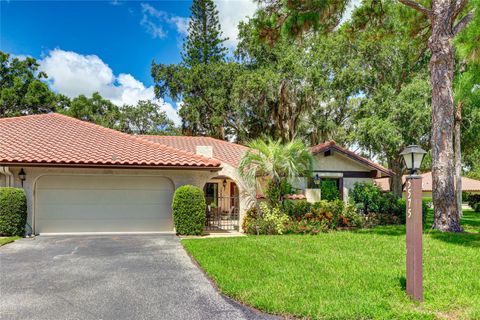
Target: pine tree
[204, 43]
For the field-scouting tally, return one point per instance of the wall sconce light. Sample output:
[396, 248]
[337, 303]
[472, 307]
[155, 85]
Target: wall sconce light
[224, 183]
[22, 176]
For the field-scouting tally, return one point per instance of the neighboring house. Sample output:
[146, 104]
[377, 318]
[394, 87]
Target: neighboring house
[81, 177]
[468, 184]
[341, 167]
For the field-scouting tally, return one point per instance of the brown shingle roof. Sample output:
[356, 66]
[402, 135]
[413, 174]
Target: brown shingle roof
[329, 145]
[468, 185]
[224, 151]
[60, 140]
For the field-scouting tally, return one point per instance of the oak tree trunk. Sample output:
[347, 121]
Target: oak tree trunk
[441, 78]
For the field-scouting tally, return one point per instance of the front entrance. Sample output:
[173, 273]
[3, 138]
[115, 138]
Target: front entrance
[223, 204]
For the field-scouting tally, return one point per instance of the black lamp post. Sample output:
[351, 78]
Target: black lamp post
[413, 156]
[22, 176]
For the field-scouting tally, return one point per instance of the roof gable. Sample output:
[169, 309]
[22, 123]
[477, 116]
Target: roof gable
[331, 145]
[61, 140]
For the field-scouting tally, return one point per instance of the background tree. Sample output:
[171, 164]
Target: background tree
[467, 100]
[202, 82]
[146, 117]
[22, 88]
[95, 109]
[394, 109]
[204, 43]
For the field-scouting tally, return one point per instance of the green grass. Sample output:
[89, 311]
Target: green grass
[5, 240]
[347, 275]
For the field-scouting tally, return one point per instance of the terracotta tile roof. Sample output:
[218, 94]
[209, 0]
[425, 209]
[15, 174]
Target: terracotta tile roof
[468, 185]
[329, 145]
[224, 151]
[60, 140]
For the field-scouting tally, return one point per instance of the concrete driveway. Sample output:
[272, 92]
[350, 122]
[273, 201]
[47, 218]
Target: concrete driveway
[108, 277]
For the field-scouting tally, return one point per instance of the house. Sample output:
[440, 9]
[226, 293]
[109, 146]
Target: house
[80, 177]
[468, 184]
[341, 168]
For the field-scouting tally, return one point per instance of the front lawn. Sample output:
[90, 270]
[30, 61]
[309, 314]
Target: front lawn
[347, 275]
[5, 240]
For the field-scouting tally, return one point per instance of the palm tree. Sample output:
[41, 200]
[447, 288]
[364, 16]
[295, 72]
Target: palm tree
[276, 161]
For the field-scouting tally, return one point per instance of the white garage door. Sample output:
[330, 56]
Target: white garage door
[103, 203]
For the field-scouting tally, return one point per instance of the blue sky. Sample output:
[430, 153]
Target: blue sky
[113, 32]
[106, 46]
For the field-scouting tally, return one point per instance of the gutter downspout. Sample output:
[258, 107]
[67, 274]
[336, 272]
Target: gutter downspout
[9, 178]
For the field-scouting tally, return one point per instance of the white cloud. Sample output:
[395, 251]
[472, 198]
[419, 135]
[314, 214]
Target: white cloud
[73, 74]
[230, 13]
[153, 21]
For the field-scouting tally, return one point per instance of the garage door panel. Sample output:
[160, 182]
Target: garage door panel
[103, 203]
[54, 226]
[85, 212]
[99, 196]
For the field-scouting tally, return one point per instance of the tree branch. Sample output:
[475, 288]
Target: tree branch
[459, 6]
[462, 23]
[417, 6]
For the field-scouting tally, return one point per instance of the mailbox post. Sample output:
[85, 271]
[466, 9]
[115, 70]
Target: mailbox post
[413, 156]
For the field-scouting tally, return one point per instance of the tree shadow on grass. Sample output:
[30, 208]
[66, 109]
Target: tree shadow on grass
[463, 239]
[471, 220]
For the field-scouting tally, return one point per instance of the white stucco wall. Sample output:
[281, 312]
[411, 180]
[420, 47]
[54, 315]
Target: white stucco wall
[337, 162]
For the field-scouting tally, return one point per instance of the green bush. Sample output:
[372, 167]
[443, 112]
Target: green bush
[297, 208]
[264, 220]
[474, 202]
[13, 212]
[326, 215]
[189, 210]
[403, 210]
[329, 190]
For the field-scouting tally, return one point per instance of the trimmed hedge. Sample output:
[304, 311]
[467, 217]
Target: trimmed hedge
[13, 212]
[189, 210]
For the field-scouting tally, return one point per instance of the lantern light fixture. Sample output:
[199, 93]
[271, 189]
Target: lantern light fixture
[413, 156]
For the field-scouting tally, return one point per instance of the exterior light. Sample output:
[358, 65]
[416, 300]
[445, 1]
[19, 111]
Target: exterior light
[316, 179]
[224, 183]
[413, 156]
[22, 176]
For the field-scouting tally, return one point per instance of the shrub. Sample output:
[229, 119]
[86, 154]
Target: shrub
[377, 206]
[297, 208]
[265, 220]
[13, 212]
[403, 210]
[189, 210]
[474, 202]
[329, 190]
[326, 215]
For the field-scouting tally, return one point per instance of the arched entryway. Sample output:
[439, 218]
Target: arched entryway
[223, 204]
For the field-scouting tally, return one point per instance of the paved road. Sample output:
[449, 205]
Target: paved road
[107, 277]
